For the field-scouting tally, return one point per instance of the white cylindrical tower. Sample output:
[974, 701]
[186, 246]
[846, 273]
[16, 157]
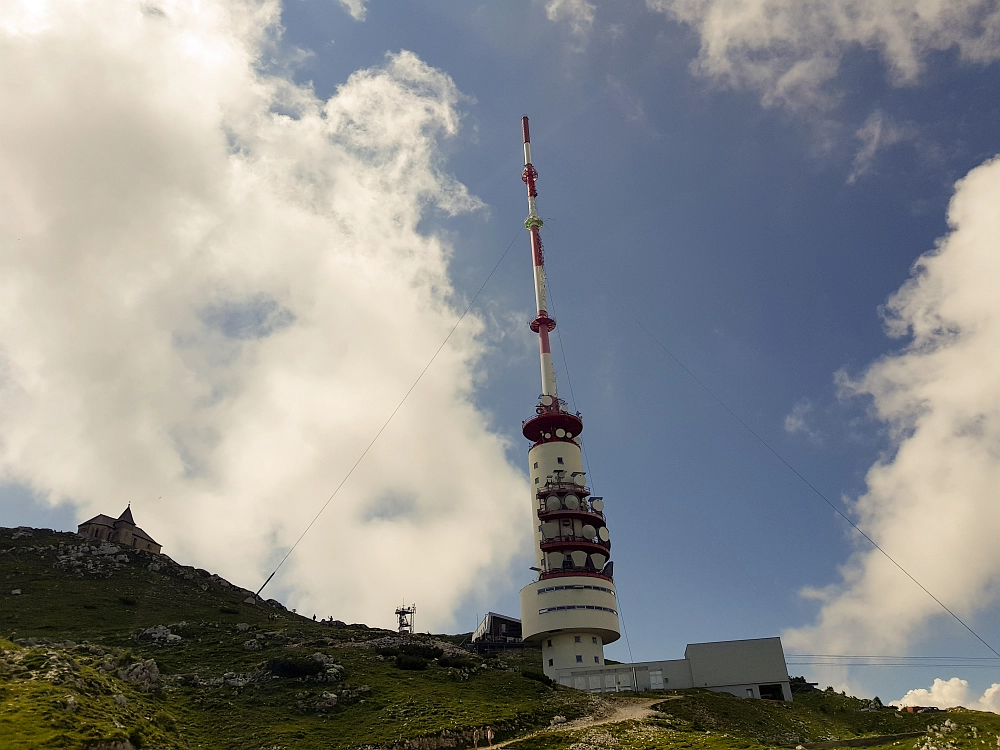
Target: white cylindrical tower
[571, 609]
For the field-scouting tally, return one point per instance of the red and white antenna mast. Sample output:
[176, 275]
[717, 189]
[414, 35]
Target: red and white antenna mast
[572, 609]
[543, 324]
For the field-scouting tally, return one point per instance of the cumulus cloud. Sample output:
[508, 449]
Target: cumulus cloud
[931, 501]
[788, 50]
[951, 693]
[216, 289]
[578, 15]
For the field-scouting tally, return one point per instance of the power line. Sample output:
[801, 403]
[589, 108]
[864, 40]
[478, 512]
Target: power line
[893, 656]
[393, 414]
[895, 661]
[791, 468]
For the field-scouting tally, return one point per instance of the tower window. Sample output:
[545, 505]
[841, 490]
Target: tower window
[550, 662]
[536, 480]
[536, 464]
[579, 659]
[559, 459]
[597, 660]
[550, 644]
[593, 640]
[576, 639]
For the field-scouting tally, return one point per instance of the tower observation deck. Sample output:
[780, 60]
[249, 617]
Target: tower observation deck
[572, 608]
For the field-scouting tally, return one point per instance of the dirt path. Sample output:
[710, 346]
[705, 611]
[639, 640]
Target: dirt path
[612, 712]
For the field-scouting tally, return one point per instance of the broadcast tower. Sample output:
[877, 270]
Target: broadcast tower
[571, 609]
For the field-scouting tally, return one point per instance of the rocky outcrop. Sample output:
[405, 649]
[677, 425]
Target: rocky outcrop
[145, 675]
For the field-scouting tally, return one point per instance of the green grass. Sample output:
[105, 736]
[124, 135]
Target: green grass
[107, 609]
[88, 624]
[702, 720]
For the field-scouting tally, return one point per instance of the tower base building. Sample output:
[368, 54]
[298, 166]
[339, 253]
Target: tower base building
[752, 668]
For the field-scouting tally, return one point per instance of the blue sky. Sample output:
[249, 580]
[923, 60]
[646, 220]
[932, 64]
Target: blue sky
[752, 235]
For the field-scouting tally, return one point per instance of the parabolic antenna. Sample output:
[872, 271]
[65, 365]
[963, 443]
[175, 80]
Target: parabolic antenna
[572, 501]
[589, 532]
[546, 400]
[597, 504]
[598, 560]
[580, 479]
[560, 432]
[550, 529]
[603, 534]
[552, 503]
[579, 558]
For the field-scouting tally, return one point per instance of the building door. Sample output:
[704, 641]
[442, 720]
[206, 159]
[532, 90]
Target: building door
[656, 679]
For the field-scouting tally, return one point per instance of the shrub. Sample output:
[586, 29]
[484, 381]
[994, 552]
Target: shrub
[229, 610]
[294, 666]
[537, 677]
[164, 721]
[458, 662]
[421, 650]
[405, 661]
[387, 651]
[128, 601]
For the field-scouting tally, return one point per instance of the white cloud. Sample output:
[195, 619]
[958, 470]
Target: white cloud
[215, 291]
[357, 8]
[931, 503]
[878, 133]
[788, 50]
[796, 423]
[577, 14]
[951, 693]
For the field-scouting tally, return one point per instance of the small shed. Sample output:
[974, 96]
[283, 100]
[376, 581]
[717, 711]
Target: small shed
[498, 629]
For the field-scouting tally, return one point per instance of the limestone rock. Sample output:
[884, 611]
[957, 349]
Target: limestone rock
[145, 674]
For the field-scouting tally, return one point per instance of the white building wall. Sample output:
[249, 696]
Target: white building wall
[758, 660]
[736, 667]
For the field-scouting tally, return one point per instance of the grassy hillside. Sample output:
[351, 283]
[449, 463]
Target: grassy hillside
[111, 649]
[226, 669]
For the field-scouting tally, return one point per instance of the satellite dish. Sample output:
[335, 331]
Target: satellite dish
[552, 503]
[550, 530]
[598, 560]
[589, 532]
[603, 534]
[548, 435]
[597, 504]
[560, 432]
[572, 501]
[546, 400]
[569, 434]
[579, 558]
[580, 479]
[555, 560]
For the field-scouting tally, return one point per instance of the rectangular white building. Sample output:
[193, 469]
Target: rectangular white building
[752, 668]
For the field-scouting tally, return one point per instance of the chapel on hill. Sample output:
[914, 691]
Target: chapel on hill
[121, 530]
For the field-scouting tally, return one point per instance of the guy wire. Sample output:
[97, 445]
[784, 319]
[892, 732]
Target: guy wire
[393, 414]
